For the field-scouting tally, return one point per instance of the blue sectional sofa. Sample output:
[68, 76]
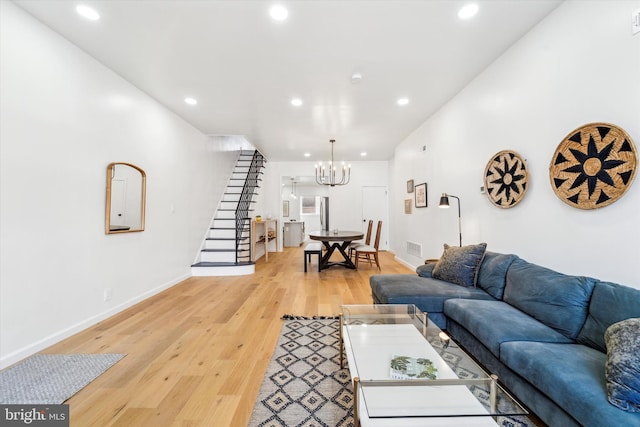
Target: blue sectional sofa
[542, 332]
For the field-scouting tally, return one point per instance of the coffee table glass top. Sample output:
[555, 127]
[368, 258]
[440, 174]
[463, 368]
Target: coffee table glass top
[407, 367]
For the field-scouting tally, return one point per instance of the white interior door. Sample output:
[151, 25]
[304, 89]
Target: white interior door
[375, 207]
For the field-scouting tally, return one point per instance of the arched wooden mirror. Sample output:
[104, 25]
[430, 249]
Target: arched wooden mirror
[126, 193]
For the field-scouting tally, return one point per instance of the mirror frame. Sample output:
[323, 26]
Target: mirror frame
[110, 173]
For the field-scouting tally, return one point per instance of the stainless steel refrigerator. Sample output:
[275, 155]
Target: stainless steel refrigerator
[324, 213]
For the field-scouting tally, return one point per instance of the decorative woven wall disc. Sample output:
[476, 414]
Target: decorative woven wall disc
[506, 179]
[593, 166]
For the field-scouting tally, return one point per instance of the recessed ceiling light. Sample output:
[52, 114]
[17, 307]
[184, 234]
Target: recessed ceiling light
[87, 12]
[468, 11]
[403, 101]
[356, 78]
[296, 102]
[363, 154]
[191, 101]
[278, 12]
[307, 154]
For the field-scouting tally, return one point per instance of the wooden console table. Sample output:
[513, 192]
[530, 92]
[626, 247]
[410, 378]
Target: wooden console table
[260, 235]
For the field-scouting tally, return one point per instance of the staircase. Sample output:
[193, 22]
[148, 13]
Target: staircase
[227, 248]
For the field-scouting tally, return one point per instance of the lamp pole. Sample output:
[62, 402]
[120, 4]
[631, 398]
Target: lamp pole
[444, 203]
[459, 218]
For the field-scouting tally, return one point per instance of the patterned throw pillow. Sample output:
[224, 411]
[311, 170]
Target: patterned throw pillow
[623, 364]
[460, 265]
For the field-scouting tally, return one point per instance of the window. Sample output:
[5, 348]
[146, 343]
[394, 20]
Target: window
[309, 205]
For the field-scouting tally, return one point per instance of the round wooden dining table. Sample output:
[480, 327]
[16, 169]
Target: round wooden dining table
[336, 239]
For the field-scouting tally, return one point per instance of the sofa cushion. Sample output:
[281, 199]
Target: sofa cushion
[558, 300]
[425, 270]
[495, 322]
[572, 375]
[427, 294]
[610, 303]
[623, 364]
[492, 276]
[460, 265]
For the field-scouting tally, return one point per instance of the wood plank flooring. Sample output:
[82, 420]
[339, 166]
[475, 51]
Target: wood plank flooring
[197, 353]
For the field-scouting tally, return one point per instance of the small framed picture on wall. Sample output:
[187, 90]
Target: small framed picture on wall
[410, 186]
[421, 195]
[407, 206]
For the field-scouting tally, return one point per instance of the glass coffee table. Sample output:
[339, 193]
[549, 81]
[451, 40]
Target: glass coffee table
[408, 372]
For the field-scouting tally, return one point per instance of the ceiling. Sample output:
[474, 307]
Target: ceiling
[243, 67]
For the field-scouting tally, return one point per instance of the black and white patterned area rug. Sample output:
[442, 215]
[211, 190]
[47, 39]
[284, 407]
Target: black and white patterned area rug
[52, 378]
[304, 385]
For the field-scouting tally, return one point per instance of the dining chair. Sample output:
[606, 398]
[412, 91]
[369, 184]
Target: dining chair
[365, 252]
[367, 240]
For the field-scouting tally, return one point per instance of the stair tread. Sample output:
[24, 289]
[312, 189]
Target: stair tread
[224, 238]
[230, 219]
[238, 201]
[228, 228]
[218, 250]
[221, 264]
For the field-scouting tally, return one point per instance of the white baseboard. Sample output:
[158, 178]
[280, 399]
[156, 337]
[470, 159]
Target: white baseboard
[54, 338]
[401, 261]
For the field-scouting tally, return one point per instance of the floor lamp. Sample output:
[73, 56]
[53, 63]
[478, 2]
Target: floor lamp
[444, 203]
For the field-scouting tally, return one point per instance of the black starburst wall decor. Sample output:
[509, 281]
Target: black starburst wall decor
[506, 179]
[593, 166]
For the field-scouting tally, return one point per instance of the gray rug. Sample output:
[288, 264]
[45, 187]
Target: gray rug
[304, 385]
[52, 378]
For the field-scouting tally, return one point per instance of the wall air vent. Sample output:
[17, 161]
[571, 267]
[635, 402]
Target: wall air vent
[414, 249]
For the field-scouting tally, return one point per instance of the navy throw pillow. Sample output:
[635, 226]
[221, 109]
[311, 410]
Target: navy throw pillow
[623, 364]
[425, 270]
[460, 265]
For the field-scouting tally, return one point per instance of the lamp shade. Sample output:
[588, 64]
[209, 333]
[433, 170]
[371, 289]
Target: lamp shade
[444, 201]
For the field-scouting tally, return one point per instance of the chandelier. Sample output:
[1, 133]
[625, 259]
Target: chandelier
[328, 177]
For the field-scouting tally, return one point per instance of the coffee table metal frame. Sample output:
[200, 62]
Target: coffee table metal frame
[352, 319]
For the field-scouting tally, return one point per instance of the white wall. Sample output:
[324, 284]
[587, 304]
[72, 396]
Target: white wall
[64, 118]
[579, 65]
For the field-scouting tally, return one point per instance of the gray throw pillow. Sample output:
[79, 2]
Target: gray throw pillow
[623, 364]
[460, 265]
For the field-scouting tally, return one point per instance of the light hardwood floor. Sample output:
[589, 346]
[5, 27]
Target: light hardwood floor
[196, 353]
